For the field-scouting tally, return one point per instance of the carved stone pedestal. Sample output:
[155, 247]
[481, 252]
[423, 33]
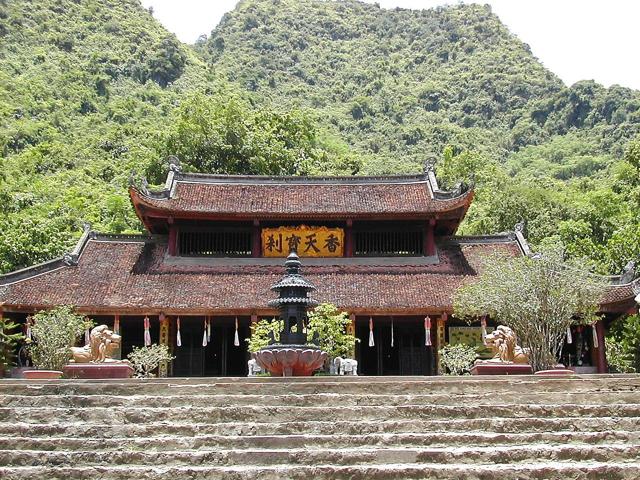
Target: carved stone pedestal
[499, 368]
[291, 360]
[98, 370]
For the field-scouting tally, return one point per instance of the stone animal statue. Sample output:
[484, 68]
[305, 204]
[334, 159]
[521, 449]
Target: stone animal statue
[502, 342]
[254, 368]
[345, 366]
[102, 345]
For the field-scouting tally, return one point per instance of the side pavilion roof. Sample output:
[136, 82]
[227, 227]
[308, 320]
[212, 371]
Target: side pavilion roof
[134, 275]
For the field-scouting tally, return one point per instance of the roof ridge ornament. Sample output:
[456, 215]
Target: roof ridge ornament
[628, 272]
[174, 164]
[518, 234]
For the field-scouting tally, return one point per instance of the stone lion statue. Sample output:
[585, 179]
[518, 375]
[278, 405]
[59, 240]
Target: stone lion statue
[102, 345]
[345, 366]
[502, 342]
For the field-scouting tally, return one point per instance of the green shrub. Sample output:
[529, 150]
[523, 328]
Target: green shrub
[8, 343]
[457, 359]
[147, 359]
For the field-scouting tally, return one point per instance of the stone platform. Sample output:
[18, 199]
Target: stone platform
[496, 368]
[98, 370]
[483, 427]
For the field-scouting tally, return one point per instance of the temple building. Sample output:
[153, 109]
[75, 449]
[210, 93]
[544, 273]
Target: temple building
[382, 249]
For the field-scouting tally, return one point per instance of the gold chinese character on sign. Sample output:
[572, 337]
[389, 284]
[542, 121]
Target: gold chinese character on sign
[307, 241]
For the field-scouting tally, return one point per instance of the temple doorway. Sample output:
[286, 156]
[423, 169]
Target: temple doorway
[220, 357]
[407, 356]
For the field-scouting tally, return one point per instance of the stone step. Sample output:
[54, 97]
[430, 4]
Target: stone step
[318, 399]
[489, 424]
[323, 456]
[538, 470]
[286, 413]
[198, 442]
[362, 385]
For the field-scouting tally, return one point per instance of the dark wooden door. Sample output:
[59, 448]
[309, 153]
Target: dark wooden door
[189, 361]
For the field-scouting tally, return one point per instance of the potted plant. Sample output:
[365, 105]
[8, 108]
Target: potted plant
[330, 326]
[8, 343]
[54, 332]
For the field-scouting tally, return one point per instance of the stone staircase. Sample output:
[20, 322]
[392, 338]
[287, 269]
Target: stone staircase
[586, 427]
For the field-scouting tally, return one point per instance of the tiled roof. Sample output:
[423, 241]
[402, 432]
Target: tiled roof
[127, 275]
[300, 197]
[132, 275]
[620, 294]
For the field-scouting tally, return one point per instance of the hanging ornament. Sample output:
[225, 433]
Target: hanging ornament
[483, 324]
[371, 342]
[28, 332]
[147, 335]
[391, 332]
[569, 336]
[427, 331]
[208, 330]
[116, 325]
[595, 335]
[178, 336]
[236, 338]
[204, 334]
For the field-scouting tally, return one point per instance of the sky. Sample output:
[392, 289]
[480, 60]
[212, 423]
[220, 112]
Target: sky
[576, 39]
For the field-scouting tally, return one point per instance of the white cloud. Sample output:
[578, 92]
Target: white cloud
[576, 39]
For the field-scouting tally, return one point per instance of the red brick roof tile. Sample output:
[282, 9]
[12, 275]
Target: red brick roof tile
[300, 197]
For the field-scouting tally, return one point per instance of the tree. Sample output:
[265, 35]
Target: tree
[9, 339]
[458, 167]
[539, 297]
[330, 325]
[224, 134]
[54, 332]
[623, 344]
[263, 332]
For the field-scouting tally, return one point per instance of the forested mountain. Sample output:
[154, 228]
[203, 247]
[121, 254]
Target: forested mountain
[92, 89]
[400, 85]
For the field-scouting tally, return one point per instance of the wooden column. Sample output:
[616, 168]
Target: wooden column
[440, 339]
[163, 370]
[173, 240]
[351, 330]
[429, 238]
[256, 242]
[116, 322]
[600, 351]
[348, 239]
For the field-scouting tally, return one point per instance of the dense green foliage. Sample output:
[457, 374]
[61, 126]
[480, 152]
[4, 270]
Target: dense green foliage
[90, 90]
[223, 133]
[54, 333]
[623, 345]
